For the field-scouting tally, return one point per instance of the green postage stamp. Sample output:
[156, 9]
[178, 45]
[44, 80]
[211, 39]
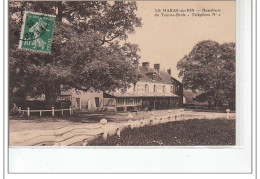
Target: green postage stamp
[37, 32]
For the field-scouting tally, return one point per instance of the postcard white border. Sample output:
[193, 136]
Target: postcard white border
[142, 160]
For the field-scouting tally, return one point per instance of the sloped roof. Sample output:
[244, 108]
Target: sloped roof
[118, 94]
[161, 77]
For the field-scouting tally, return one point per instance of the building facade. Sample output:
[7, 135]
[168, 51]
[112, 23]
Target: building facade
[156, 89]
[85, 101]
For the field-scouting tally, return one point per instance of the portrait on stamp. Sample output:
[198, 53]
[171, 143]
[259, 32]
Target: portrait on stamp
[37, 32]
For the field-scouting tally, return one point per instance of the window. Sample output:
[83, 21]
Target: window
[120, 102]
[97, 101]
[153, 77]
[78, 102]
[137, 101]
[164, 89]
[146, 88]
[129, 102]
[154, 88]
[171, 89]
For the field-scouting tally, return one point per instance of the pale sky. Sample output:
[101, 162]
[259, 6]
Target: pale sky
[166, 40]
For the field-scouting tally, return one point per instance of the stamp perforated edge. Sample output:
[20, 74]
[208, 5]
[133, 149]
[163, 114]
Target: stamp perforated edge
[23, 26]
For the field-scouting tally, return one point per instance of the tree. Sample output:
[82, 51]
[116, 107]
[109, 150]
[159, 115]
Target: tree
[87, 48]
[210, 69]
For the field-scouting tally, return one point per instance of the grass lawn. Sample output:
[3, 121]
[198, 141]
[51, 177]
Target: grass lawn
[179, 133]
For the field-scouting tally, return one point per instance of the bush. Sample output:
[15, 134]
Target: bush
[35, 105]
[120, 108]
[130, 108]
[64, 104]
[181, 133]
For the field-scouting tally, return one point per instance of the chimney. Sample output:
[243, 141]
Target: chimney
[146, 64]
[157, 67]
[169, 71]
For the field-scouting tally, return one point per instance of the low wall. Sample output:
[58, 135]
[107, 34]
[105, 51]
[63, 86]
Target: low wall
[83, 133]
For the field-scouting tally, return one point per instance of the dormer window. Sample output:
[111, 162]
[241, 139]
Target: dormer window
[153, 77]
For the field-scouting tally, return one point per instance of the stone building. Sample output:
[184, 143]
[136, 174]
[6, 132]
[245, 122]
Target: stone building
[80, 100]
[156, 89]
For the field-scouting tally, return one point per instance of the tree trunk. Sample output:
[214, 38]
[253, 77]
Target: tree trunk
[216, 104]
[209, 104]
[22, 11]
[60, 11]
[50, 97]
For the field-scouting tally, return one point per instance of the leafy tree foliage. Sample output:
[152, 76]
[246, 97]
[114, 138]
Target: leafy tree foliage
[210, 69]
[89, 48]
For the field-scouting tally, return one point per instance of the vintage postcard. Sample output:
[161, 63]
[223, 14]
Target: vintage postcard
[129, 87]
[122, 73]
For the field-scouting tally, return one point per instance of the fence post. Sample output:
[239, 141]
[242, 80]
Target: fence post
[182, 113]
[130, 122]
[228, 115]
[105, 133]
[70, 110]
[62, 112]
[19, 110]
[40, 113]
[169, 114]
[28, 112]
[118, 132]
[151, 113]
[150, 120]
[52, 111]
